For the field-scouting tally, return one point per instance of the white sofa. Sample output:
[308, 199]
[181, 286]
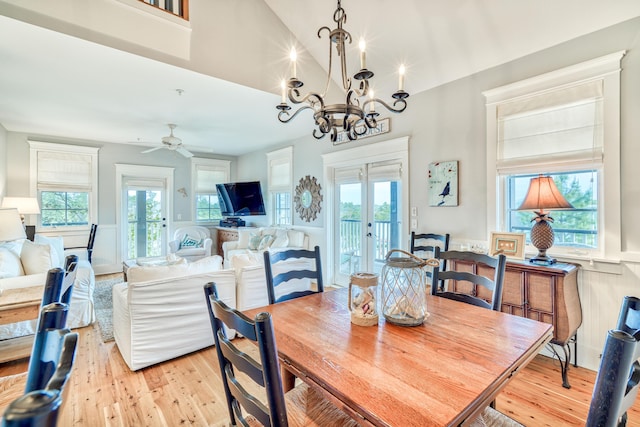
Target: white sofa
[24, 264]
[252, 242]
[161, 313]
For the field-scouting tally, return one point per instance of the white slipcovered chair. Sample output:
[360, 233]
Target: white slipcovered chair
[191, 243]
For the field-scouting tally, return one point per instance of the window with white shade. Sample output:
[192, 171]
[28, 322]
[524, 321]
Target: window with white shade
[280, 184]
[65, 179]
[564, 124]
[206, 174]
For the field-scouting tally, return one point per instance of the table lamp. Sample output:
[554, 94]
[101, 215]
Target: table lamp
[543, 194]
[10, 225]
[25, 206]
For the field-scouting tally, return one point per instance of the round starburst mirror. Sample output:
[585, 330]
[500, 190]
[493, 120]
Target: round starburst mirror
[308, 198]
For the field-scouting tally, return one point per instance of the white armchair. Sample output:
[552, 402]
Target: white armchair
[191, 243]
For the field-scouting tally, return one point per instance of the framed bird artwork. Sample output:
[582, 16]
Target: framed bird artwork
[443, 184]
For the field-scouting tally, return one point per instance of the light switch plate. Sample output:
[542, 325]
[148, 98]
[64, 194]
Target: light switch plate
[414, 211]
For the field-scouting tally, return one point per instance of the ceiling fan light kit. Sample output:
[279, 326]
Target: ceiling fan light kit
[172, 143]
[349, 117]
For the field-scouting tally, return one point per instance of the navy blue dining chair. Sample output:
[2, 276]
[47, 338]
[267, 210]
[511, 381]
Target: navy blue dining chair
[300, 406]
[616, 386]
[40, 405]
[482, 291]
[292, 274]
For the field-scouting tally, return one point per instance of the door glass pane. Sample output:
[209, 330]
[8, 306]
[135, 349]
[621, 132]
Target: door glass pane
[386, 221]
[145, 223]
[350, 248]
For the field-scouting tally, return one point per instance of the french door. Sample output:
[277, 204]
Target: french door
[146, 218]
[143, 204]
[368, 217]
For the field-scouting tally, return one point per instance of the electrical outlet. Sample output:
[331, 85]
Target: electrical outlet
[414, 211]
[414, 223]
[179, 217]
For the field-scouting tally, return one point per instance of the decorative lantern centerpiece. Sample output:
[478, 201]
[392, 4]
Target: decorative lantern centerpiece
[403, 297]
[362, 299]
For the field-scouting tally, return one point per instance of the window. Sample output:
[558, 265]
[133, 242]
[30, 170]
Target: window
[60, 208]
[206, 174]
[577, 227]
[282, 208]
[564, 124]
[64, 177]
[280, 183]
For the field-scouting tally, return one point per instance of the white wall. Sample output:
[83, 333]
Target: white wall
[3, 161]
[224, 39]
[448, 123]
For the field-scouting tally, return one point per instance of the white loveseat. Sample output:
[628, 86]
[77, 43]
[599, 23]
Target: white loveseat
[252, 242]
[161, 313]
[24, 264]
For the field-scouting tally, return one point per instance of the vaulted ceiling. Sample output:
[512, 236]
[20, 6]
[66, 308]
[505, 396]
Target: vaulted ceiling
[68, 87]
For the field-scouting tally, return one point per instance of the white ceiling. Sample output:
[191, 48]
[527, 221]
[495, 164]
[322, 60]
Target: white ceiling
[72, 88]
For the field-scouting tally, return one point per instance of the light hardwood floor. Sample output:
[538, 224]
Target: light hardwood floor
[187, 391]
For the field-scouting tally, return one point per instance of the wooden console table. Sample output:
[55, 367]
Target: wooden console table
[547, 293]
[225, 234]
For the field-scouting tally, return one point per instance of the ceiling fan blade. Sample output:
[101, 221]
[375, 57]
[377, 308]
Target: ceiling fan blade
[152, 149]
[184, 152]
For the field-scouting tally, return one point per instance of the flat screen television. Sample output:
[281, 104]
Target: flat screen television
[240, 198]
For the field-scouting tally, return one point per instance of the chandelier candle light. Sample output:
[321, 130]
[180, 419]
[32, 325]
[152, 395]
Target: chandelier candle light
[349, 117]
[543, 194]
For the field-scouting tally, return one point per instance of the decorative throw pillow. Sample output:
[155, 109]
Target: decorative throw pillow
[239, 261]
[57, 246]
[254, 241]
[296, 238]
[14, 246]
[266, 241]
[190, 242]
[205, 265]
[10, 265]
[281, 240]
[244, 235]
[35, 258]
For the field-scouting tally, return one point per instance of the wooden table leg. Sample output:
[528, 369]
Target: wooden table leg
[288, 379]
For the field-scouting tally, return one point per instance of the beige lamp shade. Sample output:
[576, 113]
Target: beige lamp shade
[544, 194]
[11, 227]
[25, 205]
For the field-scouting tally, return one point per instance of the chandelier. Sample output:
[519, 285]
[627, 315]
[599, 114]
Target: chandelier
[358, 112]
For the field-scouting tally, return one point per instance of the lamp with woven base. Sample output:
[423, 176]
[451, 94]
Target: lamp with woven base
[543, 194]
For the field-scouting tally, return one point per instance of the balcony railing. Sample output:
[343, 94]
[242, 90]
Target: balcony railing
[351, 235]
[176, 7]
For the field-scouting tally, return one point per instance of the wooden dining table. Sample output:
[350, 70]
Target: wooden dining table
[441, 373]
[17, 305]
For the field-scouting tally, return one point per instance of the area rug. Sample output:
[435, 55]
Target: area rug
[103, 306]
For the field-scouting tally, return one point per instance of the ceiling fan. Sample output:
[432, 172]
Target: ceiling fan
[171, 143]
